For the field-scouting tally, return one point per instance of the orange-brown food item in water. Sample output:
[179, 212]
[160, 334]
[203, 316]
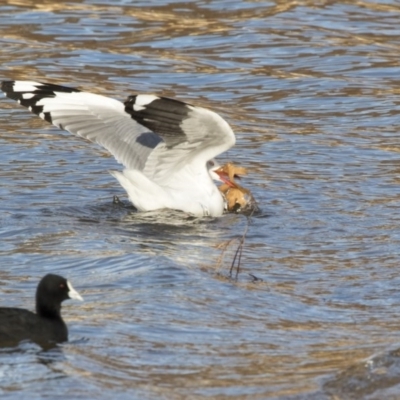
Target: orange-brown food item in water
[237, 197]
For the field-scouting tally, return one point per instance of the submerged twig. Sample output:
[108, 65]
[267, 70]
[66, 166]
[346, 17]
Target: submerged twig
[256, 279]
[239, 250]
[116, 200]
[238, 253]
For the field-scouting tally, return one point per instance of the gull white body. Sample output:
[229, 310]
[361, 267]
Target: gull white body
[194, 193]
[164, 144]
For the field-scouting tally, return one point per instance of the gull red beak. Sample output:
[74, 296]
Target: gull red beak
[224, 177]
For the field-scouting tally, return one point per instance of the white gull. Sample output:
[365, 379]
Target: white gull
[166, 146]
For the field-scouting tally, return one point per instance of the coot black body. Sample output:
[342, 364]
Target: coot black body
[47, 325]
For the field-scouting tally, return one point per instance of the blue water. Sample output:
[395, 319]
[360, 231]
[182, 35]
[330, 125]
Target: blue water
[311, 93]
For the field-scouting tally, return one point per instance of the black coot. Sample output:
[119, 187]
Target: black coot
[44, 327]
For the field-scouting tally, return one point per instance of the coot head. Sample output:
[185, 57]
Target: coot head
[51, 292]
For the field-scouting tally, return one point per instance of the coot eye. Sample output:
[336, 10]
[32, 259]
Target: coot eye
[62, 286]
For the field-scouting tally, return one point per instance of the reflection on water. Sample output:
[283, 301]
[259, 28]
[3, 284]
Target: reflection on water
[311, 91]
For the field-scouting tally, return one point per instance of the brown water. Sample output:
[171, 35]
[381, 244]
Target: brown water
[312, 90]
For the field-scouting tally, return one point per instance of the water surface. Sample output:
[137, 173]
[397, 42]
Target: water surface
[312, 92]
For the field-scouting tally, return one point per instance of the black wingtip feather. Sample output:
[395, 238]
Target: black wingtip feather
[40, 91]
[162, 115]
[7, 87]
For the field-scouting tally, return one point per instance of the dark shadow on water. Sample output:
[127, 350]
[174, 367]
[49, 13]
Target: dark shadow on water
[378, 377]
[29, 363]
[375, 378]
[28, 346]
